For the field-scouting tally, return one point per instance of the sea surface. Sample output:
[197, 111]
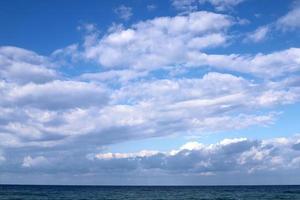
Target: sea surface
[30, 192]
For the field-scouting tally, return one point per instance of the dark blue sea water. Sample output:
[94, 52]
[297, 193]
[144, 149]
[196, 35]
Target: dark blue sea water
[149, 192]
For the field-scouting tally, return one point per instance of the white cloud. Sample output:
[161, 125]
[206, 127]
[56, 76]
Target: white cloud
[59, 112]
[23, 66]
[264, 65]
[229, 155]
[113, 76]
[109, 156]
[259, 34]
[290, 21]
[287, 22]
[215, 39]
[127, 100]
[185, 5]
[124, 12]
[2, 158]
[133, 99]
[29, 162]
[160, 42]
[222, 5]
[193, 5]
[62, 55]
[151, 7]
[55, 95]
[191, 146]
[180, 42]
[155, 79]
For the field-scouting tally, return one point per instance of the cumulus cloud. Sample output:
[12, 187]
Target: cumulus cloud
[160, 42]
[156, 78]
[238, 157]
[23, 66]
[127, 97]
[181, 41]
[229, 155]
[55, 95]
[58, 112]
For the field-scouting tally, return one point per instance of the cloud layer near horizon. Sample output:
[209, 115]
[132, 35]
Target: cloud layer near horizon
[228, 155]
[236, 157]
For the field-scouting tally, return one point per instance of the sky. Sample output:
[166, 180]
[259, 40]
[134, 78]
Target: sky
[158, 92]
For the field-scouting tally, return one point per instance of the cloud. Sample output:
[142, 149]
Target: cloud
[211, 40]
[239, 155]
[185, 5]
[259, 34]
[137, 92]
[262, 65]
[193, 5]
[2, 158]
[222, 5]
[290, 20]
[29, 162]
[114, 76]
[23, 66]
[124, 12]
[160, 42]
[109, 156]
[287, 22]
[55, 95]
[155, 78]
[51, 114]
[151, 7]
[181, 42]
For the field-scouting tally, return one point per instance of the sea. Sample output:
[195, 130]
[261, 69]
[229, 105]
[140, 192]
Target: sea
[41, 192]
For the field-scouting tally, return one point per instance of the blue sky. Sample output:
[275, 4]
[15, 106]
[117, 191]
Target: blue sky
[150, 92]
